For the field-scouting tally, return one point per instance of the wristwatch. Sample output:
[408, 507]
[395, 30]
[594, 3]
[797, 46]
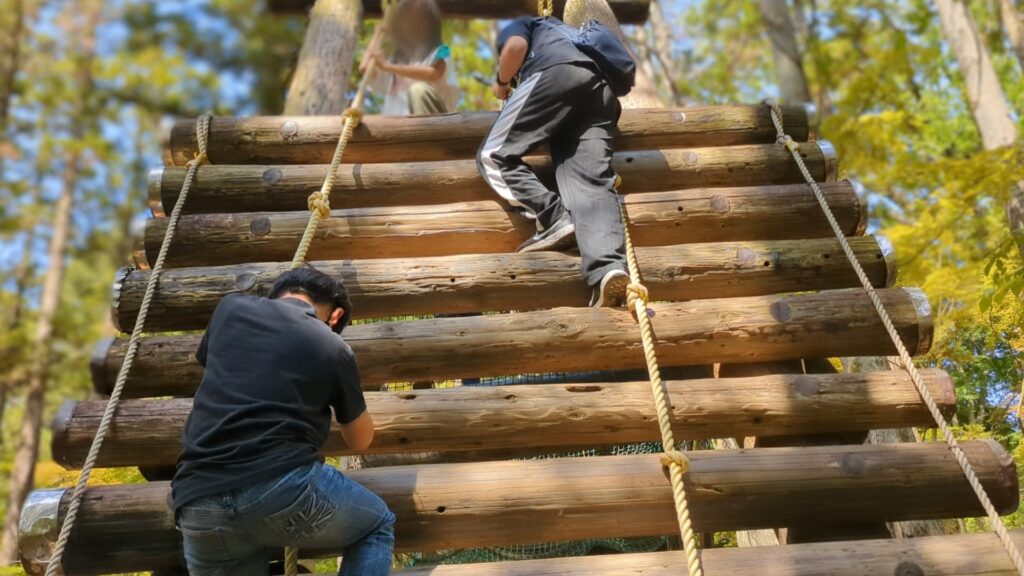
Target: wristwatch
[497, 80]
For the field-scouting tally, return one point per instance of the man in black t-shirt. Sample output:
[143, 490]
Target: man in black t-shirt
[250, 479]
[562, 100]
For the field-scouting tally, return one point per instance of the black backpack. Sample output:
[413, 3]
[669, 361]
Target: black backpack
[606, 50]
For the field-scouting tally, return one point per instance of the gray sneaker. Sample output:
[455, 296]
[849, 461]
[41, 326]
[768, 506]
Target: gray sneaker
[611, 292]
[560, 235]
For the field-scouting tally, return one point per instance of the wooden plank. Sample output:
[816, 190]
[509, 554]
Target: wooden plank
[129, 528]
[627, 11]
[312, 139]
[956, 555]
[186, 297]
[247, 188]
[750, 329]
[490, 227]
[556, 416]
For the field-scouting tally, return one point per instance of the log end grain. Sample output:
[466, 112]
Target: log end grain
[139, 257]
[59, 445]
[828, 152]
[154, 185]
[98, 363]
[812, 117]
[1007, 498]
[925, 325]
[888, 254]
[944, 391]
[115, 299]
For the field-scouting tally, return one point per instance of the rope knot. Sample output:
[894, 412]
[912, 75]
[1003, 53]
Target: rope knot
[199, 159]
[787, 141]
[353, 114]
[676, 457]
[320, 204]
[636, 292]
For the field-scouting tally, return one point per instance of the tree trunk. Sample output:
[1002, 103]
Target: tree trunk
[320, 82]
[13, 17]
[789, 68]
[984, 93]
[23, 470]
[1014, 28]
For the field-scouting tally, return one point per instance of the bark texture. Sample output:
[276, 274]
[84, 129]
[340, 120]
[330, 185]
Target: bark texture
[129, 528]
[751, 329]
[789, 68]
[320, 82]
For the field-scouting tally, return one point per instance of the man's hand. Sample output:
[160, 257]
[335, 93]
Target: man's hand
[500, 92]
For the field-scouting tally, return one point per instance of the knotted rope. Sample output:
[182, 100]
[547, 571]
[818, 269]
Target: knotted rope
[904, 355]
[678, 464]
[202, 135]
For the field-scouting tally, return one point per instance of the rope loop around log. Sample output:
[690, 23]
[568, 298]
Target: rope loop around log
[905, 359]
[202, 138]
[677, 458]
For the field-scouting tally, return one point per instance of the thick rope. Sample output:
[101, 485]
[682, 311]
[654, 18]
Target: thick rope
[545, 7]
[320, 207]
[904, 355]
[676, 462]
[202, 134]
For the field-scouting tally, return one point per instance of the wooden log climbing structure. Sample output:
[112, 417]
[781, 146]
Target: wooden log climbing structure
[741, 266]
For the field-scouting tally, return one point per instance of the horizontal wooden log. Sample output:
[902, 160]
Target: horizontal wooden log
[312, 139]
[492, 227]
[626, 11]
[955, 555]
[244, 188]
[129, 528]
[186, 297]
[556, 416]
[750, 329]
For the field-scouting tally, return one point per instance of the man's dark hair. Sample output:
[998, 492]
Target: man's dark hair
[320, 288]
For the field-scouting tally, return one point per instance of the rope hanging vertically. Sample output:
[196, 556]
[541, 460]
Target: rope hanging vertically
[319, 204]
[676, 461]
[202, 135]
[908, 363]
[545, 7]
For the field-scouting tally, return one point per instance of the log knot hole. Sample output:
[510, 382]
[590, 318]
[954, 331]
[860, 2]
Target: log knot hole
[272, 176]
[260, 226]
[245, 281]
[908, 569]
[806, 385]
[289, 130]
[678, 117]
[852, 465]
[746, 258]
[565, 328]
[720, 204]
[781, 311]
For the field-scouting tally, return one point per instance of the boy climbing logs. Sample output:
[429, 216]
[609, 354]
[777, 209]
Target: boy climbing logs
[250, 479]
[563, 100]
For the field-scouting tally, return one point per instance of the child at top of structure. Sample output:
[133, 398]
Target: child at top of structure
[418, 78]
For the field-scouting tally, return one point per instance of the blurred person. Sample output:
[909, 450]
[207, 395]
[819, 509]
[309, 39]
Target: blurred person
[418, 78]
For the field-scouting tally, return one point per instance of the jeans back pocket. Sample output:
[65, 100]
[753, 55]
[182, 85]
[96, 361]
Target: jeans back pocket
[306, 517]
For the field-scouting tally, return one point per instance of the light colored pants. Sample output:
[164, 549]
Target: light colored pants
[425, 100]
[314, 506]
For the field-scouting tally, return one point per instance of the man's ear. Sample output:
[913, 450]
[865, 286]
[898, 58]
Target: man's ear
[335, 317]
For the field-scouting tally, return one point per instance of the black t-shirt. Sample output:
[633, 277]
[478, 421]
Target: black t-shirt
[547, 46]
[273, 373]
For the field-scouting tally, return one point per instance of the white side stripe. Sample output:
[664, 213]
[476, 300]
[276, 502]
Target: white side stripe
[499, 134]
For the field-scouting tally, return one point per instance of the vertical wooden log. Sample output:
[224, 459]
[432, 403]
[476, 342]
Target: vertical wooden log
[320, 83]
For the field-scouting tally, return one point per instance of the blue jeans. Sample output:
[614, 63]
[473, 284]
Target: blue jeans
[312, 507]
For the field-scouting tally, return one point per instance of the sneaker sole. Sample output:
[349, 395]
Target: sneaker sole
[614, 292]
[563, 239]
